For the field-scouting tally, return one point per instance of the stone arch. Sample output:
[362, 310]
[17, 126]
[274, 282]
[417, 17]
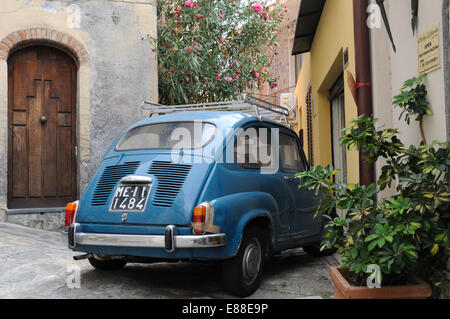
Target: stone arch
[22, 38]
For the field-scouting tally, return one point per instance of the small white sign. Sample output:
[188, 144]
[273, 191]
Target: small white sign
[428, 50]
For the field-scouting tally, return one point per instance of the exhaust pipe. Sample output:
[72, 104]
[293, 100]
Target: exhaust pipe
[81, 257]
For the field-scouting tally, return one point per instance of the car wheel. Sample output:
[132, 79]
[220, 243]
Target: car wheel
[242, 273]
[111, 264]
[314, 248]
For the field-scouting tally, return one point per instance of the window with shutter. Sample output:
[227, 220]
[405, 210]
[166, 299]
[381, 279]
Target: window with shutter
[309, 127]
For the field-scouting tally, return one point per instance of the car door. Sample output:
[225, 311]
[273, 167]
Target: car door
[303, 203]
[254, 145]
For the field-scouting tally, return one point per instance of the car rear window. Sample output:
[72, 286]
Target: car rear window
[172, 135]
[251, 145]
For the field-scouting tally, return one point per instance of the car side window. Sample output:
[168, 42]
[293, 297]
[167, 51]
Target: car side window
[252, 148]
[290, 157]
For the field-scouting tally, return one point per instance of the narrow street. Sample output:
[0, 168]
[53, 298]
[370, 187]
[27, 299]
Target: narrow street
[36, 264]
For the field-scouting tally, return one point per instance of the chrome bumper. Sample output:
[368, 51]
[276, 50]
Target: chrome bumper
[169, 241]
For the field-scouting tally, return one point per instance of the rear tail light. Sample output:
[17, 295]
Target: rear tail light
[71, 209]
[200, 217]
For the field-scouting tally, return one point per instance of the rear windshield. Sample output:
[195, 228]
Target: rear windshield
[173, 135]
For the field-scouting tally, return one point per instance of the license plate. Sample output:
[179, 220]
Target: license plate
[130, 198]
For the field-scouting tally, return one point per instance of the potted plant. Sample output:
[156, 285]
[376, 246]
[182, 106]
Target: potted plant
[396, 242]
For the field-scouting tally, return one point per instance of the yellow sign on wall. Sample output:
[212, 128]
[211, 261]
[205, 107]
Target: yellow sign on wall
[428, 50]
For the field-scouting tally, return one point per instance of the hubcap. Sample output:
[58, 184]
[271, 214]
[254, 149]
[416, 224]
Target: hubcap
[251, 261]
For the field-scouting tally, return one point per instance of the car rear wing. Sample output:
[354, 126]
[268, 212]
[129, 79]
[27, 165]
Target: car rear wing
[249, 105]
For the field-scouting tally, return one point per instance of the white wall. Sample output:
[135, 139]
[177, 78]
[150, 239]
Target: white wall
[390, 70]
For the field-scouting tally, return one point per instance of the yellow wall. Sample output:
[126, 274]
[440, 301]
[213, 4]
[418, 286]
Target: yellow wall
[321, 68]
[300, 94]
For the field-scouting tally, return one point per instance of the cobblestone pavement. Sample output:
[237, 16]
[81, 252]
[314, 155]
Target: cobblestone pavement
[36, 264]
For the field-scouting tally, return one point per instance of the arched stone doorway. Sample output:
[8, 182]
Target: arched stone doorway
[42, 164]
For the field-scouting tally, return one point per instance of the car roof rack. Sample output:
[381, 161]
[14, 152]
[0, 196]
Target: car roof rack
[249, 104]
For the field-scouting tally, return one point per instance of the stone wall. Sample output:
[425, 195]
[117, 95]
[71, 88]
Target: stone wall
[110, 39]
[283, 64]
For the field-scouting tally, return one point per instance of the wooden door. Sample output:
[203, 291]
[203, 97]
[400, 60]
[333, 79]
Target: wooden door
[42, 132]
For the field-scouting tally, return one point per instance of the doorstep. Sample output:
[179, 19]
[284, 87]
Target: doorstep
[46, 218]
[40, 210]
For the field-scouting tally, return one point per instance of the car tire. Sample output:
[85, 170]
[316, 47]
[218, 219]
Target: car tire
[242, 273]
[112, 264]
[314, 248]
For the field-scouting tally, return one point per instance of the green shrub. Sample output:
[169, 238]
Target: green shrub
[214, 50]
[407, 234]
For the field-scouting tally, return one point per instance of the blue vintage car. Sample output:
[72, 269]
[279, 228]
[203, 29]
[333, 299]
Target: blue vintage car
[199, 185]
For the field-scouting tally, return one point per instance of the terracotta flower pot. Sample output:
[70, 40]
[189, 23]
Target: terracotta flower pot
[343, 290]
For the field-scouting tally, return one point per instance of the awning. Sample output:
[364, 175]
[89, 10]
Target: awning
[307, 22]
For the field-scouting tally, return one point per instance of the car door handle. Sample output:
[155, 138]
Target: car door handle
[288, 178]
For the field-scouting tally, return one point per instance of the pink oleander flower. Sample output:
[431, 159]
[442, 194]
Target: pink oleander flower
[188, 4]
[178, 9]
[196, 45]
[217, 75]
[258, 8]
[274, 84]
[249, 83]
[222, 39]
[222, 16]
[199, 16]
[228, 79]
[286, 10]
[236, 76]
[255, 75]
[172, 70]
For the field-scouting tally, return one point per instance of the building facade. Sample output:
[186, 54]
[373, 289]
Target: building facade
[328, 83]
[325, 38]
[284, 65]
[391, 68]
[73, 75]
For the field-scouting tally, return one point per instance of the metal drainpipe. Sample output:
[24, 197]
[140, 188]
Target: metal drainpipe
[446, 31]
[363, 79]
